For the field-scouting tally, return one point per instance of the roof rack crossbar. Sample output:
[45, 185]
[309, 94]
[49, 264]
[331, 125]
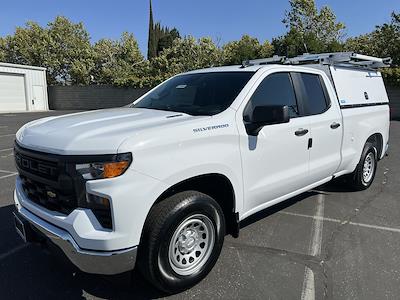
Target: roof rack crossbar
[264, 61]
[336, 58]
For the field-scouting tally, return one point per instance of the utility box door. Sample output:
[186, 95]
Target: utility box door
[358, 87]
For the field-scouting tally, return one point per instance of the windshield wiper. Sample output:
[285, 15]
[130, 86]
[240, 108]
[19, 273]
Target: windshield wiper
[168, 108]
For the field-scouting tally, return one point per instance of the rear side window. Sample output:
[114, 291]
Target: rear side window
[314, 95]
[276, 89]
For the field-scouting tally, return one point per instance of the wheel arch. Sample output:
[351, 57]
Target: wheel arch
[377, 140]
[215, 185]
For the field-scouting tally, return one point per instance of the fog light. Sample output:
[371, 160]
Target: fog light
[95, 201]
[100, 206]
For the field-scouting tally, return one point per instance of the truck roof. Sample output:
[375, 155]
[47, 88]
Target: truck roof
[235, 68]
[255, 68]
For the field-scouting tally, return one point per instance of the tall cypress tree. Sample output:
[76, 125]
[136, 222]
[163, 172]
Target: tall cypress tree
[160, 37]
[152, 42]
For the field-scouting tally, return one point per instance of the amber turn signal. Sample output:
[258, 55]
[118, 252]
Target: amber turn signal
[114, 169]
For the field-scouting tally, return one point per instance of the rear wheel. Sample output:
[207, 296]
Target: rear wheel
[181, 242]
[364, 174]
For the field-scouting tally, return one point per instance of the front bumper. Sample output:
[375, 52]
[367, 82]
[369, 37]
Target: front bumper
[82, 238]
[95, 262]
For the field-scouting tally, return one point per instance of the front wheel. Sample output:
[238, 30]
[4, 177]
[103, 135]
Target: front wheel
[181, 241]
[364, 173]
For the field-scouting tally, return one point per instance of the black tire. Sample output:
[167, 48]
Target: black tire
[154, 259]
[357, 178]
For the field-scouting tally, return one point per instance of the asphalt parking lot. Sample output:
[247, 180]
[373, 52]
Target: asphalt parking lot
[330, 243]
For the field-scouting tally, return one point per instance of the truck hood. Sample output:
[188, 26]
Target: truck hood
[94, 132]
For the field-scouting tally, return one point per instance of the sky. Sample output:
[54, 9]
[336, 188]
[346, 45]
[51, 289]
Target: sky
[222, 20]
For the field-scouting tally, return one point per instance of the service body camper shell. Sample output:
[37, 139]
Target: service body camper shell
[358, 87]
[355, 77]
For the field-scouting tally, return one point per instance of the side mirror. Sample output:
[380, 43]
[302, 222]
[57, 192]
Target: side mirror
[265, 115]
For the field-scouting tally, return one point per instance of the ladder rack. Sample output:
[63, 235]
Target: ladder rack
[349, 59]
[264, 61]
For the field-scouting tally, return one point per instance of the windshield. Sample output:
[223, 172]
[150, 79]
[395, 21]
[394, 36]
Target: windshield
[197, 94]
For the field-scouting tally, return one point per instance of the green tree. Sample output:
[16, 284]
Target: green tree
[363, 44]
[384, 41]
[185, 54]
[387, 38]
[266, 50]
[246, 48]
[119, 62]
[160, 37]
[3, 50]
[28, 45]
[167, 39]
[71, 56]
[105, 53]
[152, 42]
[62, 47]
[309, 30]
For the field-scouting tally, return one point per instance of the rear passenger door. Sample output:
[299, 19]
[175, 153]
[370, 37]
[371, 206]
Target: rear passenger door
[325, 123]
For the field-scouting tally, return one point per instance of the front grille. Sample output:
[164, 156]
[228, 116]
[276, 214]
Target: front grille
[52, 182]
[47, 196]
[45, 180]
[38, 167]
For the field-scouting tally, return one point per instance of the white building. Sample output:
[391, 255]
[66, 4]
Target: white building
[22, 88]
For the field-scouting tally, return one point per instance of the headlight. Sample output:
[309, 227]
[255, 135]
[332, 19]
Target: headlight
[106, 169]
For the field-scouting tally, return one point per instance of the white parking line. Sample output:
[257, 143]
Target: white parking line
[308, 292]
[5, 171]
[8, 175]
[5, 135]
[318, 226]
[377, 227]
[12, 251]
[7, 149]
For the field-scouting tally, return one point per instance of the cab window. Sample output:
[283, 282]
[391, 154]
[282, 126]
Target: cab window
[314, 94]
[275, 89]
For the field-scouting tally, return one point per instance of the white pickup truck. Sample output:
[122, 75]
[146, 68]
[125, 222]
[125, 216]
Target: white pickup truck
[159, 183]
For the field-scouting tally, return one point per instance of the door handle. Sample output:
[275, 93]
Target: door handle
[301, 132]
[335, 125]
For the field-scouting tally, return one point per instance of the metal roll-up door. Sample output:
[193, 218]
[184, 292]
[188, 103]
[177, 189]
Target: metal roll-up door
[12, 92]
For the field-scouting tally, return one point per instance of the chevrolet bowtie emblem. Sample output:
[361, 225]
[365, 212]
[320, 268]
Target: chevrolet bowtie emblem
[51, 194]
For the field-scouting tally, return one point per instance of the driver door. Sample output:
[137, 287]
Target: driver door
[276, 162]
